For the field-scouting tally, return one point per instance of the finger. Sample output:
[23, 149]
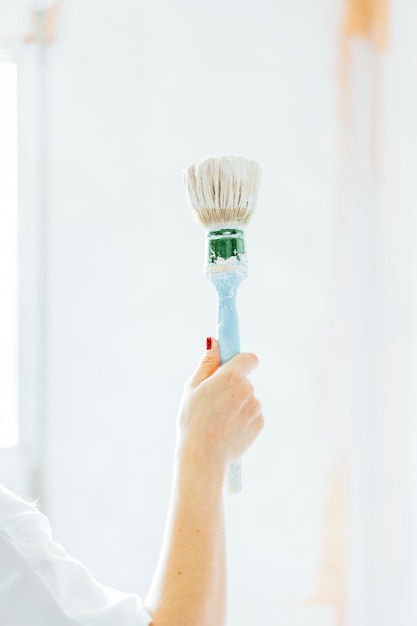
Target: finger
[245, 363]
[209, 363]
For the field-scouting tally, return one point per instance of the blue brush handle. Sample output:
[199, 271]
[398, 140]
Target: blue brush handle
[226, 284]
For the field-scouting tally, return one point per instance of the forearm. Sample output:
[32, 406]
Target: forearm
[189, 587]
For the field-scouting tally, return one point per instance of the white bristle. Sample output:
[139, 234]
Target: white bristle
[223, 190]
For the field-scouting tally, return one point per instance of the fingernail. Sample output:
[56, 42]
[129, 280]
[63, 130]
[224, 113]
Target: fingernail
[208, 343]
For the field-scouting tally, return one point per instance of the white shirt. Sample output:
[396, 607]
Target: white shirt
[40, 585]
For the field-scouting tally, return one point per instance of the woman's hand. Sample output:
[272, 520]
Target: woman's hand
[219, 415]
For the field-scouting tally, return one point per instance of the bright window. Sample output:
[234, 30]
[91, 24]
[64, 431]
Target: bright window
[8, 257]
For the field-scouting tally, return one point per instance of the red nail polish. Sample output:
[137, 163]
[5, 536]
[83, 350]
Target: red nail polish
[208, 343]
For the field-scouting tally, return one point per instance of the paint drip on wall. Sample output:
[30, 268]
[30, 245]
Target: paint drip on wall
[331, 582]
[364, 28]
[367, 19]
[367, 22]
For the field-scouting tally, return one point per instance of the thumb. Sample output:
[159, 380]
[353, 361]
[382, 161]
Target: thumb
[208, 364]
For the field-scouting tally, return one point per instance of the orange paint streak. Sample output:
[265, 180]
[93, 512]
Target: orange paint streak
[331, 582]
[367, 19]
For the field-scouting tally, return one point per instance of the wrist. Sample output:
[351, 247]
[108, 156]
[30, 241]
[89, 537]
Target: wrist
[200, 466]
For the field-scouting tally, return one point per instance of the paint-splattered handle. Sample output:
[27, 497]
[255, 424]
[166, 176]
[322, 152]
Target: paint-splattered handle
[233, 481]
[229, 344]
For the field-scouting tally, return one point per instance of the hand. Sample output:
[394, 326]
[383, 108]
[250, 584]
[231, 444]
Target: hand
[219, 416]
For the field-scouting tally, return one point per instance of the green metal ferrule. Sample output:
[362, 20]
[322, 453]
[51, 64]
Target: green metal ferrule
[225, 244]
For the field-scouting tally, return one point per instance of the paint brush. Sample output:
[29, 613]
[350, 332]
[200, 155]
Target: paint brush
[222, 191]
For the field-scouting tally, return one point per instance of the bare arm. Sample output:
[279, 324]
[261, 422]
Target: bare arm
[219, 418]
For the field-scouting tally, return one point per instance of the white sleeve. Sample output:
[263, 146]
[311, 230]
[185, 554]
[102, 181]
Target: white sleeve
[40, 584]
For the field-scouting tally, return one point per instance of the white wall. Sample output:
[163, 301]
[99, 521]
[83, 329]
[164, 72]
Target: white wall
[134, 92]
